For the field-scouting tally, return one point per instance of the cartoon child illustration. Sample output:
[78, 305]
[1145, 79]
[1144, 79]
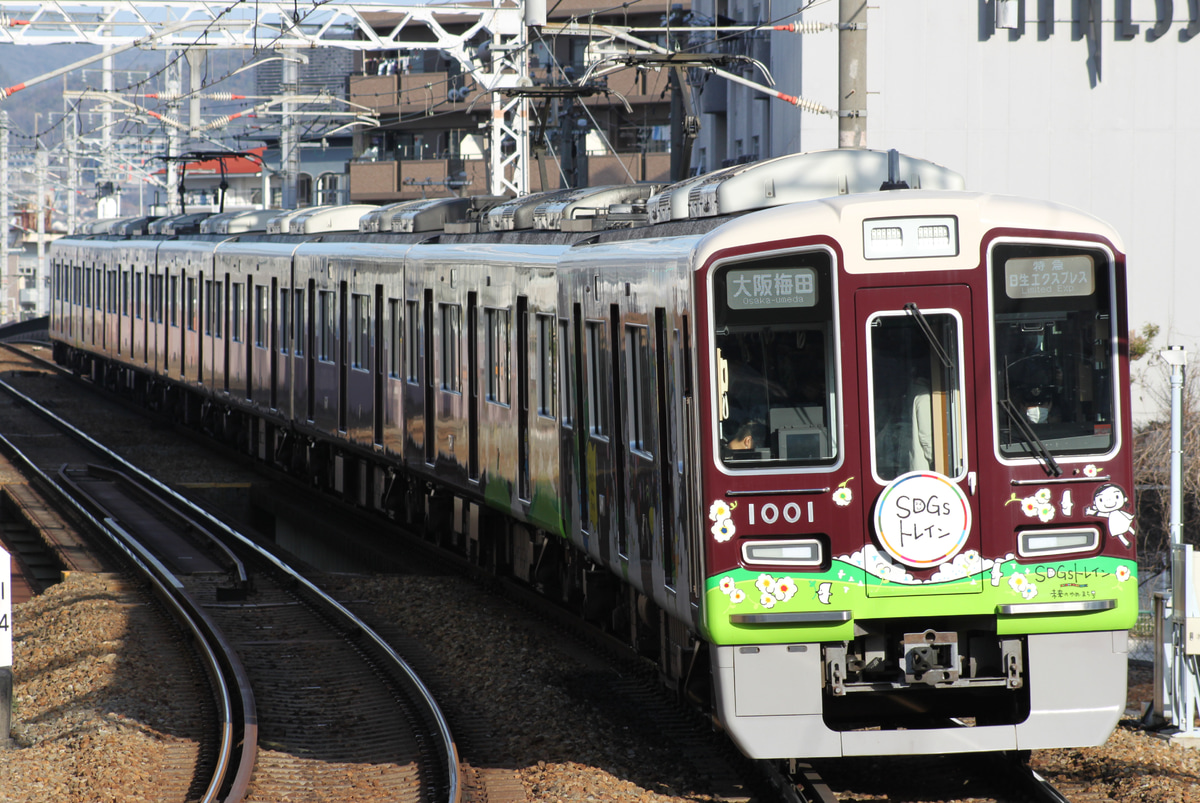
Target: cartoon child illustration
[1108, 503]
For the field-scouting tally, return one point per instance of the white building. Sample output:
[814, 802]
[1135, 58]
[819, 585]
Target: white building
[1091, 103]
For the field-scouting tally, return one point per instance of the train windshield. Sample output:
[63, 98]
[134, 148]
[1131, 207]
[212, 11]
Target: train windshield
[775, 358]
[1054, 351]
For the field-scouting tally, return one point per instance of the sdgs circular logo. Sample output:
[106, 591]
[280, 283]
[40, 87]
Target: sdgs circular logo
[922, 519]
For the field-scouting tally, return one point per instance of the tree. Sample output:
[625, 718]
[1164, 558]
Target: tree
[1152, 449]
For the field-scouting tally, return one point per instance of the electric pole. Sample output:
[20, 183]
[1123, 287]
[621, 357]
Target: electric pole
[852, 74]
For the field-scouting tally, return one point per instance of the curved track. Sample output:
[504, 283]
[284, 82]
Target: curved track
[310, 701]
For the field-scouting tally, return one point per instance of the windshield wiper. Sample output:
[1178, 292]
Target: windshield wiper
[1036, 445]
[927, 330]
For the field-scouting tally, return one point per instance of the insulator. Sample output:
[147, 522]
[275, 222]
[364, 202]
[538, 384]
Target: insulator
[164, 95]
[806, 105]
[806, 27]
[218, 122]
[223, 96]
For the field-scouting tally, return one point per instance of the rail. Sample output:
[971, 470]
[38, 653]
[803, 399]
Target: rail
[448, 749]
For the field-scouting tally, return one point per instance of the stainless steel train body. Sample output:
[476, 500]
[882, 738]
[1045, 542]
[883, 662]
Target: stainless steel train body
[853, 464]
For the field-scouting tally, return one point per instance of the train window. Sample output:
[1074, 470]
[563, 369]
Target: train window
[208, 305]
[637, 387]
[137, 295]
[916, 393]
[498, 326]
[775, 359]
[193, 304]
[451, 315]
[285, 320]
[300, 313]
[125, 297]
[547, 382]
[566, 385]
[237, 312]
[326, 325]
[597, 389]
[412, 356]
[1054, 350]
[173, 301]
[262, 315]
[395, 324]
[216, 309]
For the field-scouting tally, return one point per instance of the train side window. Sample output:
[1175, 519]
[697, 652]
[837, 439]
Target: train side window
[216, 309]
[451, 315]
[395, 341]
[1055, 349]
[412, 352]
[547, 381]
[193, 304]
[285, 320]
[326, 325]
[208, 305]
[916, 390]
[566, 382]
[637, 390]
[262, 314]
[498, 327]
[597, 389]
[125, 296]
[173, 301]
[300, 313]
[137, 295]
[237, 312]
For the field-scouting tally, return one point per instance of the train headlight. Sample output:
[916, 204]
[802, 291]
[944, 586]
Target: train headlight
[783, 553]
[1036, 543]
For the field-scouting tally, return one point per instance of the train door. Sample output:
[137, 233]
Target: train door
[920, 445]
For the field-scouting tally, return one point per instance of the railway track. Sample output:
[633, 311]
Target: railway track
[307, 699]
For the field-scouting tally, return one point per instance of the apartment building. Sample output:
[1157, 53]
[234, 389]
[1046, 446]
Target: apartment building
[436, 118]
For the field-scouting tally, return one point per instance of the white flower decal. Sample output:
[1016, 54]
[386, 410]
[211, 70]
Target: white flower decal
[736, 596]
[1020, 583]
[843, 495]
[723, 530]
[764, 583]
[719, 511]
[767, 600]
[1090, 471]
[1041, 504]
[1123, 574]
[726, 585]
[784, 589]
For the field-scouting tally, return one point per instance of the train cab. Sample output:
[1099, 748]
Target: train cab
[916, 472]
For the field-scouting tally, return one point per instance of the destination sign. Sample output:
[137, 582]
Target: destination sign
[771, 288]
[1049, 277]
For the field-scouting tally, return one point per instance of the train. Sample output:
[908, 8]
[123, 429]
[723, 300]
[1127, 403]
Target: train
[842, 446]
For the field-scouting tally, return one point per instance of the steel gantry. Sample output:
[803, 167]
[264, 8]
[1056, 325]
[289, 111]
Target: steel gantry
[489, 41]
